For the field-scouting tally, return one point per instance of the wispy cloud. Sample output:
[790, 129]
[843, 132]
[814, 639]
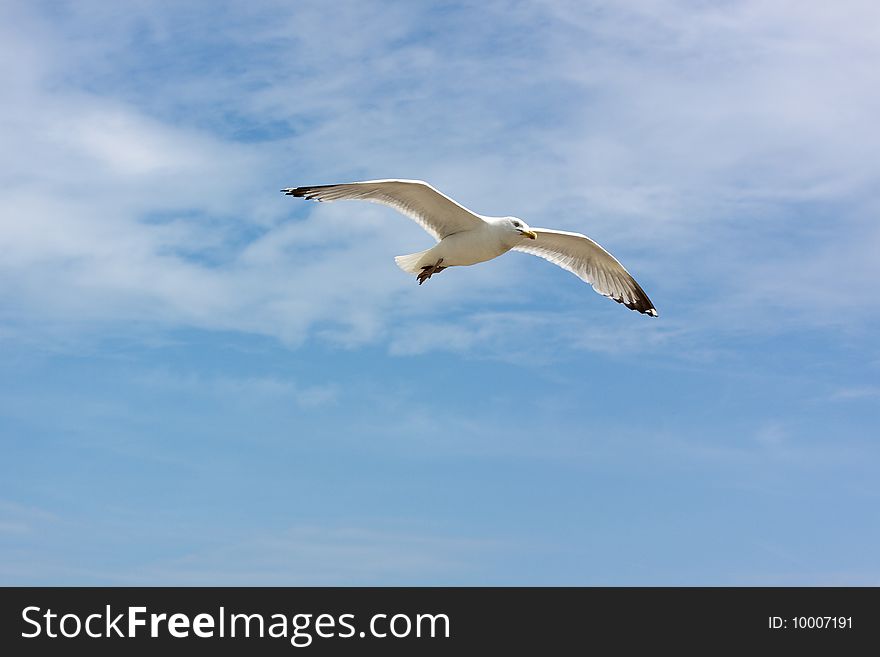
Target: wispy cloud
[320, 556]
[246, 390]
[22, 519]
[300, 555]
[857, 392]
[141, 178]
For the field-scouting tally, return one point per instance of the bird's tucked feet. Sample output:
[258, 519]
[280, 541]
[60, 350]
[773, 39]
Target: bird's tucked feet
[430, 270]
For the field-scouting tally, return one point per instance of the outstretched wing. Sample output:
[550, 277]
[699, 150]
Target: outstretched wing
[438, 214]
[591, 263]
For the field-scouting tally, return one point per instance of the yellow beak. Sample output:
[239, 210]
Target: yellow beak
[532, 235]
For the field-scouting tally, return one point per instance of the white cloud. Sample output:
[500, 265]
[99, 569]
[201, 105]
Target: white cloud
[241, 390]
[857, 392]
[319, 556]
[771, 435]
[678, 136]
[188, 555]
[23, 520]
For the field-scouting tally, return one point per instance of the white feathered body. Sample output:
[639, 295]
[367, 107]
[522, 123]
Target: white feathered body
[461, 249]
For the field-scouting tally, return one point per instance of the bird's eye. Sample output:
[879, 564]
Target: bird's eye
[517, 224]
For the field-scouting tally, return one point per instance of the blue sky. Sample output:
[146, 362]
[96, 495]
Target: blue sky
[205, 382]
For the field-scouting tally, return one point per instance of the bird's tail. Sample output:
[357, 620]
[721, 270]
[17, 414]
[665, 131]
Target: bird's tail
[412, 263]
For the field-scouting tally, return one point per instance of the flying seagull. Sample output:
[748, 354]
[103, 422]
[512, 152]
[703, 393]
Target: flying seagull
[466, 238]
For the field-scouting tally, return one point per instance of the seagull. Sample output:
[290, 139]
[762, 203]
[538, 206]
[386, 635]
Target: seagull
[467, 238]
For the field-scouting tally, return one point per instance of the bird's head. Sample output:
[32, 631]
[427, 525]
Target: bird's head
[520, 227]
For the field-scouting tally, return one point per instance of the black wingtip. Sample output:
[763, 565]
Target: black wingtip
[641, 304]
[305, 192]
[644, 308]
[650, 311]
